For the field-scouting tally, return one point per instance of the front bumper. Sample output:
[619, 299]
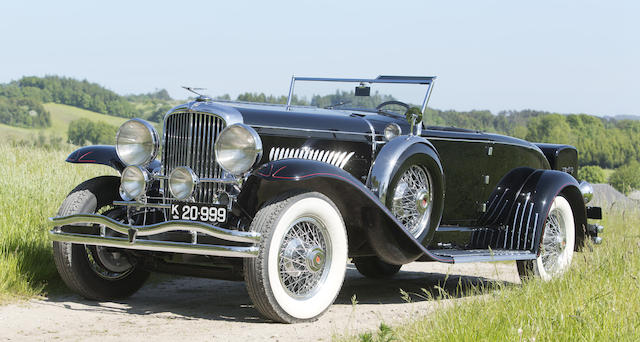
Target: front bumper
[136, 236]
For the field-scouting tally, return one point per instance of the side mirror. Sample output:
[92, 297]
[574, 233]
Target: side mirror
[363, 90]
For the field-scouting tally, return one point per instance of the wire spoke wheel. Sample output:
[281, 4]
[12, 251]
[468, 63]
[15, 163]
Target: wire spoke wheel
[556, 245]
[413, 199]
[302, 258]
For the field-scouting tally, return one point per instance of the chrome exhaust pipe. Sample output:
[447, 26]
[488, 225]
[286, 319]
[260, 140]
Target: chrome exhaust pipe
[595, 229]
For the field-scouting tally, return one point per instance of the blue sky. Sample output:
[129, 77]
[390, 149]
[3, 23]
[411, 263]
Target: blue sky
[563, 56]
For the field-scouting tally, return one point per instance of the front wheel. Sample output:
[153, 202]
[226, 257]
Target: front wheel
[95, 272]
[302, 260]
[556, 247]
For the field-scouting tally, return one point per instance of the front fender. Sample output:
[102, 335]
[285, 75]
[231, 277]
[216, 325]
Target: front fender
[102, 154]
[369, 223]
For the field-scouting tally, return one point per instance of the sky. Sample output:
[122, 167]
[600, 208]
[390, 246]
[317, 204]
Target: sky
[559, 56]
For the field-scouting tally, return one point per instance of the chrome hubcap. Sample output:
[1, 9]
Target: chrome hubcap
[315, 259]
[422, 201]
[412, 199]
[113, 261]
[303, 263]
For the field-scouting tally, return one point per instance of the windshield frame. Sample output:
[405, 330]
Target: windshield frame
[424, 80]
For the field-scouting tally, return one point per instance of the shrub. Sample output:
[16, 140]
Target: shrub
[84, 130]
[592, 174]
[626, 178]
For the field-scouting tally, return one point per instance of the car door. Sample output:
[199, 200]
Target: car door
[463, 154]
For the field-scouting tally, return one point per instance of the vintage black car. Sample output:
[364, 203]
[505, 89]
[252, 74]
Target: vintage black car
[283, 196]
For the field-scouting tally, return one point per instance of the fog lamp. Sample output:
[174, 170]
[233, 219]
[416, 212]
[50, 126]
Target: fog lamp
[182, 182]
[133, 183]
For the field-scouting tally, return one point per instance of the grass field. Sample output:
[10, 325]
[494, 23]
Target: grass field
[33, 184]
[597, 300]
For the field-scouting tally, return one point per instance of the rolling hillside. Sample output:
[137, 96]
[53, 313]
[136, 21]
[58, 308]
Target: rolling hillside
[61, 116]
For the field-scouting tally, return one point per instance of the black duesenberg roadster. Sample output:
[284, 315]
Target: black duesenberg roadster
[283, 195]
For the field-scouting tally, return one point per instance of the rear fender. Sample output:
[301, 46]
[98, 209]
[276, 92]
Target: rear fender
[520, 204]
[369, 223]
[386, 169]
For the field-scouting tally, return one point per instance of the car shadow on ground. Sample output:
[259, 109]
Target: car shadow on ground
[186, 298]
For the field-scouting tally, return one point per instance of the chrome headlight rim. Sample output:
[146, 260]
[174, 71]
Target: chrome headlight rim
[153, 137]
[391, 131]
[257, 149]
[587, 191]
[193, 183]
[143, 181]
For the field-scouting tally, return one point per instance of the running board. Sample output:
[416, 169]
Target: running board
[483, 255]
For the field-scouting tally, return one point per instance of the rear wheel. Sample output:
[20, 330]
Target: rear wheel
[557, 245]
[302, 260]
[95, 272]
[373, 267]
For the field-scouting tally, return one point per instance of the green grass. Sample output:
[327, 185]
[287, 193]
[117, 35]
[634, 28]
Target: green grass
[62, 115]
[597, 300]
[34, 183]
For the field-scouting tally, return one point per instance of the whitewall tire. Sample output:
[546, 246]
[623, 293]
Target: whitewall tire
[302, 260]
[557, 244]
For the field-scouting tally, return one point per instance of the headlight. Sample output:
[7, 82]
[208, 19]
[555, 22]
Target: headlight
[587, 191]
[182, 182]
[238, 148]
[133, 183]
[391, 131]
[137, 142]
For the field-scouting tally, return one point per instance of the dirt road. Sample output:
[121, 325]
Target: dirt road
[200, 309]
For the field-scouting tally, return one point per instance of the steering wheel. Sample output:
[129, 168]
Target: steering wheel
[388, 103]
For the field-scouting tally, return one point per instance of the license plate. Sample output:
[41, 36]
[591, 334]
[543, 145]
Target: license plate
[202, 212]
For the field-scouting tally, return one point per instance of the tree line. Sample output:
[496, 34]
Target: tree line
[23, 112]
[602, 142]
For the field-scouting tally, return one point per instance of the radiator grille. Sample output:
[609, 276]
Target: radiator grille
[188, 141]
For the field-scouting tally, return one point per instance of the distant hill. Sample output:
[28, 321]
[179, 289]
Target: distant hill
[61, 117]
[626, 117]
[21, 100]
[82, 94]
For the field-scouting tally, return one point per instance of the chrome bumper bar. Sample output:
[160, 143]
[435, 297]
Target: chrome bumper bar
[133, 232]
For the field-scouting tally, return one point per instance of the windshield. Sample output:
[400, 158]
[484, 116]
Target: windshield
[391, 94]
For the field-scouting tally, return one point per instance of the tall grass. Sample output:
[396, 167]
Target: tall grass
[597, 300]
[33, 184]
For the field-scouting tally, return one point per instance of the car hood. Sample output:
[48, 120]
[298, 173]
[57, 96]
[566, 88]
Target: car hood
[311, 118]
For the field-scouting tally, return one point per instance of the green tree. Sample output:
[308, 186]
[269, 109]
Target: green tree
[158, 114]
[592, 174]
[626, 178]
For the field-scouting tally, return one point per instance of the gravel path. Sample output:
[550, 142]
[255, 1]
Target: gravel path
[201, 309]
